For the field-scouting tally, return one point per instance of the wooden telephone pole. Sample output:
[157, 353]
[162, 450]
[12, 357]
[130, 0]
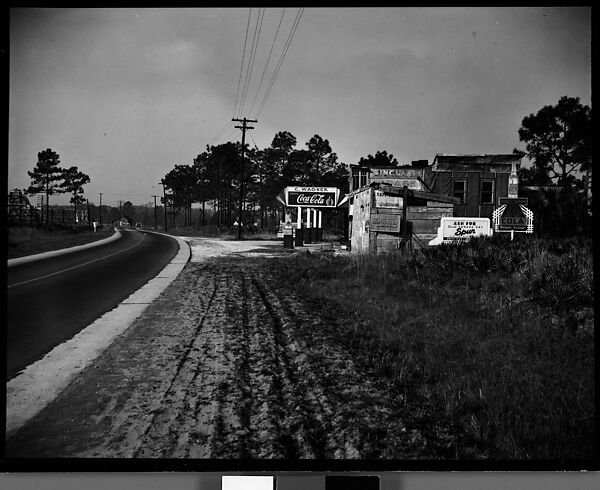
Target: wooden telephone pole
[244, 127]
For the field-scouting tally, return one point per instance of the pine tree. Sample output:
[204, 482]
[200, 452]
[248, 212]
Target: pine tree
[46, 176]
[73, 183]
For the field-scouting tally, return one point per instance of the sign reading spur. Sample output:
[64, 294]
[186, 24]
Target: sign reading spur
[459, 229]
[311, 197]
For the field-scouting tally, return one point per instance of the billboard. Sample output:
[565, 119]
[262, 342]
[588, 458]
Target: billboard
[459, 229]
[311, 197]
[513, 215]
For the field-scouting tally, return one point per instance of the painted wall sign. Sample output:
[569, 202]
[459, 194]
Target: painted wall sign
[386, 223]
[455, 229]
[395, 172]
[414, 184]
[387, 201]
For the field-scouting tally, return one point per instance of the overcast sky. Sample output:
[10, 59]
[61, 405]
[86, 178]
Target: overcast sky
[125, 94]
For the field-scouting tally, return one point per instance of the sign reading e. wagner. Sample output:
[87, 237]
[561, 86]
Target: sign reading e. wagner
[314, 197]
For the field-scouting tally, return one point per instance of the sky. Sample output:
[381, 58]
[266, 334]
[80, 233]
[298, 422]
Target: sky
[126, 94]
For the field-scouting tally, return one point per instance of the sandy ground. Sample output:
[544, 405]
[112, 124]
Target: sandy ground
[222, 365]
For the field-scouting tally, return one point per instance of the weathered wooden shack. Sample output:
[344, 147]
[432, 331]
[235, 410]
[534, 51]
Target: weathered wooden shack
[385, 217]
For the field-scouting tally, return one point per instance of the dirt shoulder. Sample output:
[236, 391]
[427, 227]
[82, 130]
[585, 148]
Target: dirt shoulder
[223, 365]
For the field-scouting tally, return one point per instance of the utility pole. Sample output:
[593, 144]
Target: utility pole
[88, 214]
[101, 209]
[155, 211]
[244, 128]
[165, 202]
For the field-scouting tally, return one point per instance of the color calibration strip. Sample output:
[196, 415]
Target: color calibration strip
[288, 482]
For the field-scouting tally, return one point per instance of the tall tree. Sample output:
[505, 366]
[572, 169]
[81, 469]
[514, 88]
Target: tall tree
[320, 155]
[381, 159]
[73, 182]
[558, 139]
[46, 176]
[183, 183]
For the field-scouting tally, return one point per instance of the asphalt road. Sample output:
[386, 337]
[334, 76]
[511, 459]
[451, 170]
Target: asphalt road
[51, 300]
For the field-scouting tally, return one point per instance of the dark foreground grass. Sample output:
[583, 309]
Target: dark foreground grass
[24, 241]
[492, 340]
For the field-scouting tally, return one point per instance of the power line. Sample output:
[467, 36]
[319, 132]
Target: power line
[281, 58]
[242, 67]
[219, 133]
[225, 135]
[255, 145]
[267, 63]
[257, 30]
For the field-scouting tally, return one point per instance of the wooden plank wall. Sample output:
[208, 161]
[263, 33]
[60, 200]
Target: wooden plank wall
[423, 221]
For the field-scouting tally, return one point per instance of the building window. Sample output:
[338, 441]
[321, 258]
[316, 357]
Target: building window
[359, 179]
[487, 192]
[363, 177]
[460, 189]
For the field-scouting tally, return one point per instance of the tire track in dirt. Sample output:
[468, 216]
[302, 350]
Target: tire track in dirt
[358, 416]
[317, 417]
[161, 435]
[225, 366]
[149, 398]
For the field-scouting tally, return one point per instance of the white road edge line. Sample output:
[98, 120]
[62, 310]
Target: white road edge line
[39, 383]
[62, 251]
[75, 267]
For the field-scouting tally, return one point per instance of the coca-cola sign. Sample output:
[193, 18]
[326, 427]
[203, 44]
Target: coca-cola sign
[313, 199]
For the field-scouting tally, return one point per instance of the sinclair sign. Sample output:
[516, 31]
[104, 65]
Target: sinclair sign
[311, 197]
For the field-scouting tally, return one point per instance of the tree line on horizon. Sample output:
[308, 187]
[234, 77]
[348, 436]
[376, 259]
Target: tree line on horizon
[215, 177]
[558, 141]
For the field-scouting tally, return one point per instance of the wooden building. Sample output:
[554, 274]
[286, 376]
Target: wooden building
[385, 217]
[477, 181]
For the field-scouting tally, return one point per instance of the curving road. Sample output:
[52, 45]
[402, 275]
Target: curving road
[49, 301]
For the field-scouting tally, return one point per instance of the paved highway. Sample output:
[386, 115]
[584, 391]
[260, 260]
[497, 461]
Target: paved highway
[51, 300]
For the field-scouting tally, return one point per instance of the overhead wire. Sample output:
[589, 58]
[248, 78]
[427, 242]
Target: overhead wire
[281, 59]
[255, 41]
[219, 133]
[255, 145]
[242, 66]
[267, 63]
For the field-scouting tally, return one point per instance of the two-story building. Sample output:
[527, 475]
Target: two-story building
[477, 181]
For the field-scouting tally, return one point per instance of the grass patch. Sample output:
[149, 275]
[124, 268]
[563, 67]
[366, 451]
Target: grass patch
[491, 339]
[23, 241]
